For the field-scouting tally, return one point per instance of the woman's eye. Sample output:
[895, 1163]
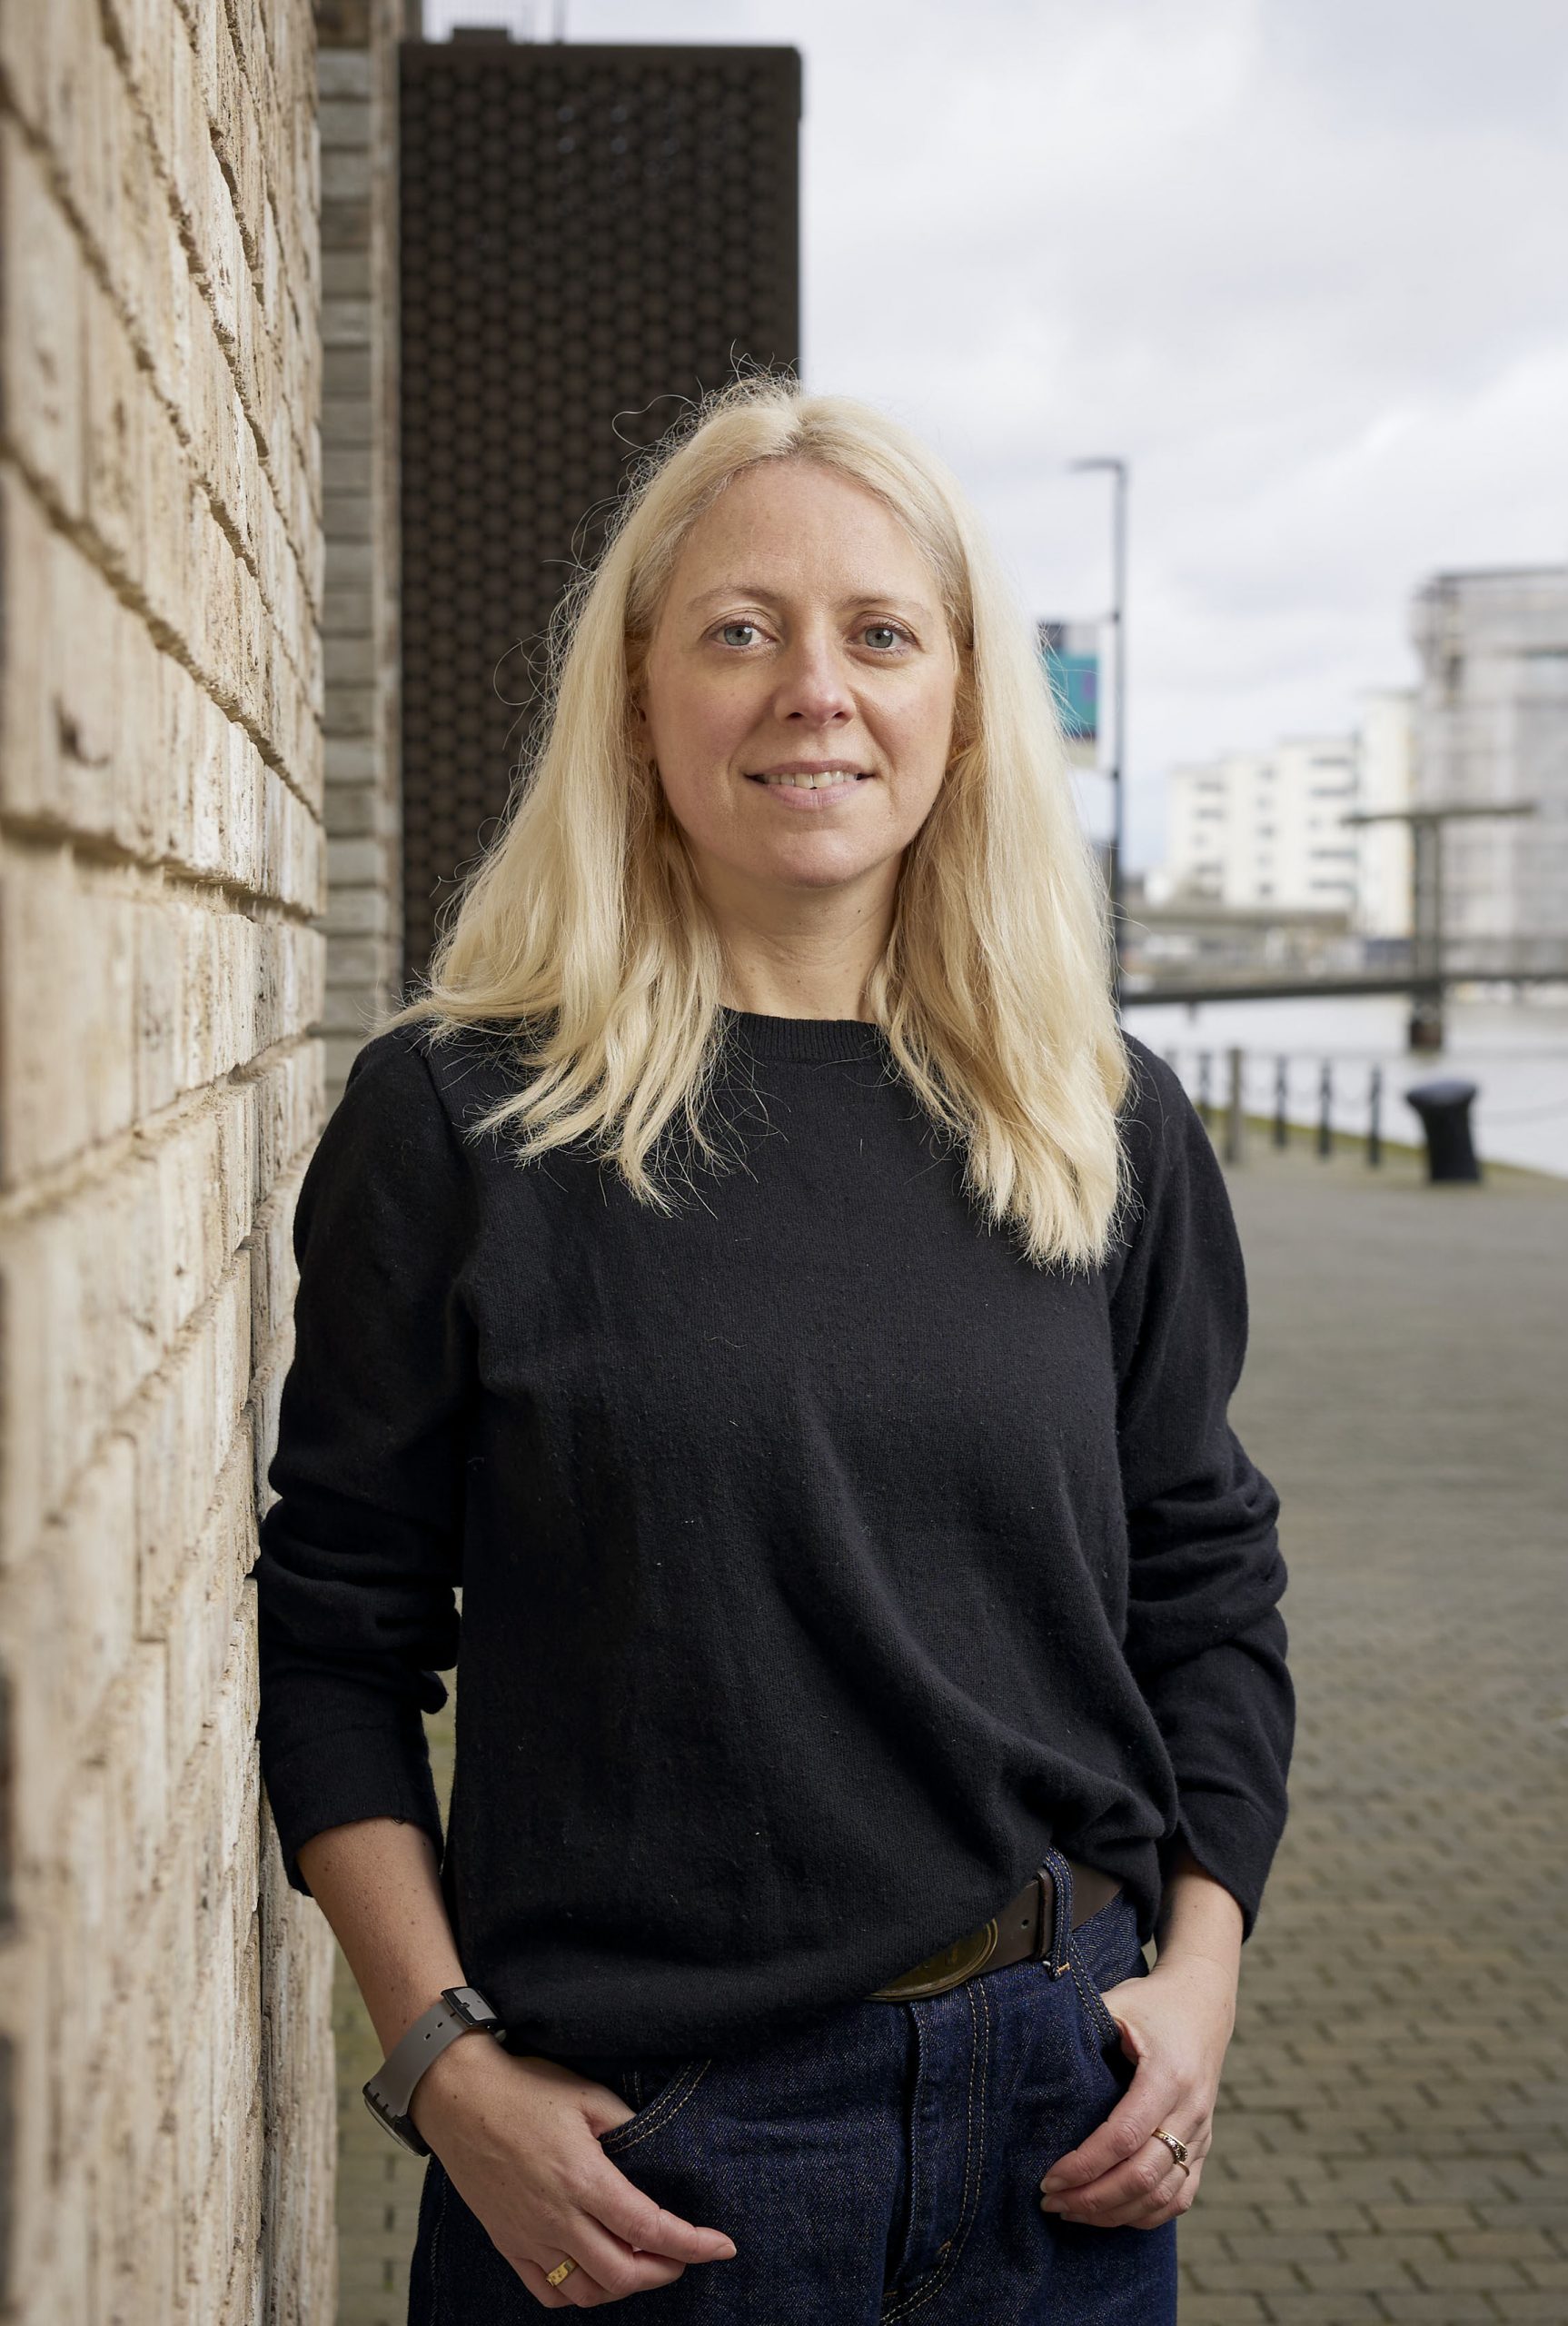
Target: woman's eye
[882, 634]
[727, 632]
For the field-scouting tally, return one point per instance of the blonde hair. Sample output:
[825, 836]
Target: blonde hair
[583, 929]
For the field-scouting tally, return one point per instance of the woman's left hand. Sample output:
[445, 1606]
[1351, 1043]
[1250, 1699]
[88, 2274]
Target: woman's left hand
[1175, 2024]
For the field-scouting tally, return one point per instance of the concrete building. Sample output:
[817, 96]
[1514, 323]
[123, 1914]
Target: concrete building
[1385, 764]
[1262, 830]
[1492, 724]
[1265, 832]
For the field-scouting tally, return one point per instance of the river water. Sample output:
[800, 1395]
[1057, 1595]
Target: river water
[1516, 1053]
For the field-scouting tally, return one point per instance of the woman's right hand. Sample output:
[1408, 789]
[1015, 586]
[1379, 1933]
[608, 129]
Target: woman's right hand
[518, 2137]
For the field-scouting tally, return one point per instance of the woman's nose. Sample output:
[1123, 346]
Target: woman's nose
[813, 686]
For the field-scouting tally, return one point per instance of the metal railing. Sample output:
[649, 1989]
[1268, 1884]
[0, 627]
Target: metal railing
[1332, 1082]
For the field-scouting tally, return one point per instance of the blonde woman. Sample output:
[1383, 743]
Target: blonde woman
[761, 1274]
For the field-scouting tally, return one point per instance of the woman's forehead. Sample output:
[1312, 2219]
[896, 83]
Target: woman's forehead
[768, 533]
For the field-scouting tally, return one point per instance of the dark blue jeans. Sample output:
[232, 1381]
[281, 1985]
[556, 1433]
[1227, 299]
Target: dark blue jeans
[884, 2167]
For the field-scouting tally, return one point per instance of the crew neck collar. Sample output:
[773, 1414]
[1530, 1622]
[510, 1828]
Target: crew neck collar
[817, 1040]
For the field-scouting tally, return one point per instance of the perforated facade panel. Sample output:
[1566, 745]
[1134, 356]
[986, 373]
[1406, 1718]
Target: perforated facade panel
[589, 235]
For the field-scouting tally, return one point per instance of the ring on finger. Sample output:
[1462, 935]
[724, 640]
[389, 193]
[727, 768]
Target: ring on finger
[1178, 2149]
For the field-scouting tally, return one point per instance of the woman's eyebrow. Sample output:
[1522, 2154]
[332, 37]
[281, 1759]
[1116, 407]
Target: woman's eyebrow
[855, 598]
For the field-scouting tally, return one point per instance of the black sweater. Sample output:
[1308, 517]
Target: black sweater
[821, 1559]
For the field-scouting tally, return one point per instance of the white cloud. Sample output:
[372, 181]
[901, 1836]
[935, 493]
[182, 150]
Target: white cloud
[1299, 260]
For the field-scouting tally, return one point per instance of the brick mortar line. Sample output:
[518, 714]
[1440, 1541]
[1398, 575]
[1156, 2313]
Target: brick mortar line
[83, 1173]
[235, 1468]
[125, 1422]
[83, 537]
[61, 187]
[233, 14]
[97, 1734]
[165, 876]
[91, 2096]
[245, 61]
[285, 275]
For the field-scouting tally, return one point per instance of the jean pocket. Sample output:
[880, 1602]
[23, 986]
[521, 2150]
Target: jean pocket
[670, 2091]
[1102, 1952]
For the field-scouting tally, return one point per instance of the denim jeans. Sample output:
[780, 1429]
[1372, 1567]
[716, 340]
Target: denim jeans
[884, 2166]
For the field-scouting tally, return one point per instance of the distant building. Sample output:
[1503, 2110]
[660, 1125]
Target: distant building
[1264, 830]
[1386, 768]
[1492, 723]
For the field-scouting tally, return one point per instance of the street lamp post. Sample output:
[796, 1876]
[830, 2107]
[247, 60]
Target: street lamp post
[1117, 468]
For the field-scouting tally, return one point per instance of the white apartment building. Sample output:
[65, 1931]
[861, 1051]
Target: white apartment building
[1492, 724]
[1261, 830]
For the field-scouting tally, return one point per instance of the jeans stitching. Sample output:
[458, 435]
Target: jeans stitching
[670, 2103]
[1061, 1877]
[969, 2203]
[437, 2307]
[914, 2132]
[1089, 1995]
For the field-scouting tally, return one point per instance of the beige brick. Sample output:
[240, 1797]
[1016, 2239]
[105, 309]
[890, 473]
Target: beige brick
[182, 1431]
[65, 1072]
[40, 325]
[67, 1621]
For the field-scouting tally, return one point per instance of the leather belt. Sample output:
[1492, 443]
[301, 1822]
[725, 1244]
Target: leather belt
[1024, 1932]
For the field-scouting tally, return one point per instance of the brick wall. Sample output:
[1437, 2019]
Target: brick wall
[165, 2096]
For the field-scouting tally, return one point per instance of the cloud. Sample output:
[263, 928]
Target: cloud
[1297, 259]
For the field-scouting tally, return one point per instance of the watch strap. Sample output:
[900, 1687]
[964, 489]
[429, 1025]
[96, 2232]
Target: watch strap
[459, 2012]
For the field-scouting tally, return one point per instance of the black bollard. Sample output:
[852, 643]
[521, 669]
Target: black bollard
[1444, 1112]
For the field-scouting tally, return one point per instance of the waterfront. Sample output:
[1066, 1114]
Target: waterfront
[1516, 1053]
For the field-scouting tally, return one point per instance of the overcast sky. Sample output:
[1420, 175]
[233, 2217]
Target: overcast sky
[1300, 261]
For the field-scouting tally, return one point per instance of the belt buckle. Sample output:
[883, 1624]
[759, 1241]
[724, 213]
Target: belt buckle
[949, 1967]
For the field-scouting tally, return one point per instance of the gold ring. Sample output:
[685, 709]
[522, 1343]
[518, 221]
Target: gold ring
[1178, 2149]
[562, 2270]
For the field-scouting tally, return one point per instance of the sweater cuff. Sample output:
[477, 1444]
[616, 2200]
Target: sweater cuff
[342, 1777]
[1232, 1840]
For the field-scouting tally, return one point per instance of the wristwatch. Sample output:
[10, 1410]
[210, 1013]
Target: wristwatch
[460, 2012]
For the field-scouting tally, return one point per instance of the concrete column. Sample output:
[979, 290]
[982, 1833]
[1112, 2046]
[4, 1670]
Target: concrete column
[357, 72]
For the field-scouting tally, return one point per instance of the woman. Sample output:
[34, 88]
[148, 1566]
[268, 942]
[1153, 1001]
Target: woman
[762, 1275]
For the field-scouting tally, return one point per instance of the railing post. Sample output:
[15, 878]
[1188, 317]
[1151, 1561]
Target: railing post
[1280, 1101]
[1235, 1128]
[1204, 1107]
[1326, 1108]
[1374, 1118]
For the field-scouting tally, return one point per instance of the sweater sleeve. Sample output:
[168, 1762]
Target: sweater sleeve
[360, 1551]
[1204, 1639]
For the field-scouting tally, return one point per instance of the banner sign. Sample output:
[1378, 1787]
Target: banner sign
[1070, 652]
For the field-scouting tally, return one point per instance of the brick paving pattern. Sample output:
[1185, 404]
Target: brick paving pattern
[1392, 2138]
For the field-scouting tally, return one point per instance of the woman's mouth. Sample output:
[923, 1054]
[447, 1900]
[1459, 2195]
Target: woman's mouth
[831, 778]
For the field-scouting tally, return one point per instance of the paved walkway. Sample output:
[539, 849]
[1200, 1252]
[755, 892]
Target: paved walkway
[1392, 2143]
[1394, 2136]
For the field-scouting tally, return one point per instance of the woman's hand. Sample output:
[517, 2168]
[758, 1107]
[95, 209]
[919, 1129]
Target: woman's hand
[1175, 2023]
[518, 2139]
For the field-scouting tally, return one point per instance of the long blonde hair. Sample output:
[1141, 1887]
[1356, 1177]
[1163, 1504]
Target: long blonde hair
[583, 929]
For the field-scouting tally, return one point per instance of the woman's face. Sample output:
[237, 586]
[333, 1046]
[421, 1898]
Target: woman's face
[802, 634]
